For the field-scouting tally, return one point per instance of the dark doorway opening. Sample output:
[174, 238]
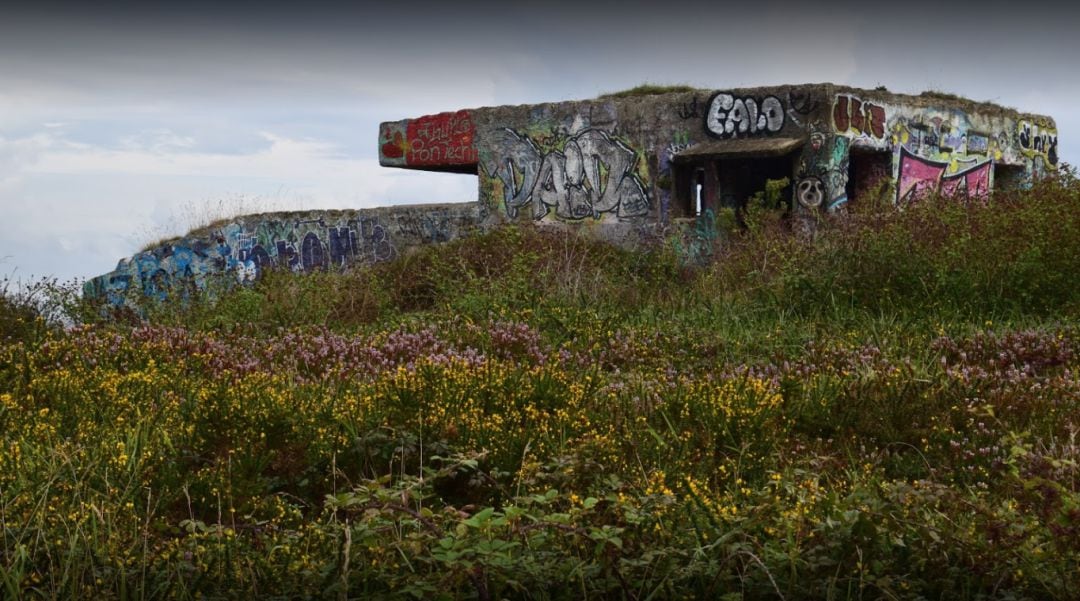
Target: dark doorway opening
[741, 179]
[1009, 177]
[710, 183]
[869, 177]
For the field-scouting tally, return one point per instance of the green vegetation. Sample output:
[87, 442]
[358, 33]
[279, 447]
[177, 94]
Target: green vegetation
[650, 89]
[887, 410]
[196, 218]
[984, 105]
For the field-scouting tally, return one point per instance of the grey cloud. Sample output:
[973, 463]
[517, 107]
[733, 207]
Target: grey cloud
[207, 79]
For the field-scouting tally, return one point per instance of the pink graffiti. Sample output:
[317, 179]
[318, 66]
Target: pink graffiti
[972, 183]
[921, 177]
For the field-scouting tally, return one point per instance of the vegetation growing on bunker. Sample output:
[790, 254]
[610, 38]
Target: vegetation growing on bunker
[650, 89]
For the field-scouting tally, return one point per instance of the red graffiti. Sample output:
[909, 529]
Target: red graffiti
[921, 177]
[443, 139]
[852, 114]
[393, 146]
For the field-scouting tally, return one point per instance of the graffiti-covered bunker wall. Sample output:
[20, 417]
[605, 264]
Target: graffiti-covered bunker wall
[242, 248]
[657, 158]
[629, 166]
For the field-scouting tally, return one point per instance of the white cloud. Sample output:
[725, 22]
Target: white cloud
[74, 209]
[157, 141]
[16, 155]
[170, 155]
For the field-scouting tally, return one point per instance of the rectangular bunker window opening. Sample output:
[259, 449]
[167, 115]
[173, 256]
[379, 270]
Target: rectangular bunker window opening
[756, 178]
[869, 179]
[1009, 177]
[699, 191]
[689, 189]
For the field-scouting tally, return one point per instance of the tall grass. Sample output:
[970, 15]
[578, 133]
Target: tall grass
[888, 409]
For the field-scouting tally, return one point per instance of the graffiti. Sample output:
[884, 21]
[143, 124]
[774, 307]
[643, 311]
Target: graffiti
[951, 154]
[392, 141]
[836, 182]
[243, 250]
[802, 103]
[342, 244]
[593, 173]
[309, 245]
[431, 141]
[392, 144]
[920, 177]
[287, 256]
[920, 139]
[697, 245]
[251, 257]
[972, 183]
[952, 140]
[679, 143]
[689, 110]
[443, 139]
[823, 171]
[977, 144]
[731, 117]
[376, 240]
[365, 237]
[1036, 141]
[851, 115]
[312, 254]
[927, 140]
[429, 227]
[665, 157]
[810, 192]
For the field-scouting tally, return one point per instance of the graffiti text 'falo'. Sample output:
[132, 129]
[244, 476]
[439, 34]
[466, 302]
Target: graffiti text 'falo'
[730, 117]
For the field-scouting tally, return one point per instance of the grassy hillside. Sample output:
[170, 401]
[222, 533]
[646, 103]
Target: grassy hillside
[888, 410]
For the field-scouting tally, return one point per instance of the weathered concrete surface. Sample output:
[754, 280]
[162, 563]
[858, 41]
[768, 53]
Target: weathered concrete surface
[241, 248]
[611, 159]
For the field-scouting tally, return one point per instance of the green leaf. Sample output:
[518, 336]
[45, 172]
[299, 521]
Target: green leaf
[659, 439]
[480, 518]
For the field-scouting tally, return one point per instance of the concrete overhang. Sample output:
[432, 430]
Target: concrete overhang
[733, 149]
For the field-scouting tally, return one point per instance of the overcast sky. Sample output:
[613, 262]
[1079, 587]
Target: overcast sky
[121, 124]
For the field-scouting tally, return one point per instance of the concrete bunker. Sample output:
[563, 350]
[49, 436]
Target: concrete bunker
[628, 166]
[659, 158]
